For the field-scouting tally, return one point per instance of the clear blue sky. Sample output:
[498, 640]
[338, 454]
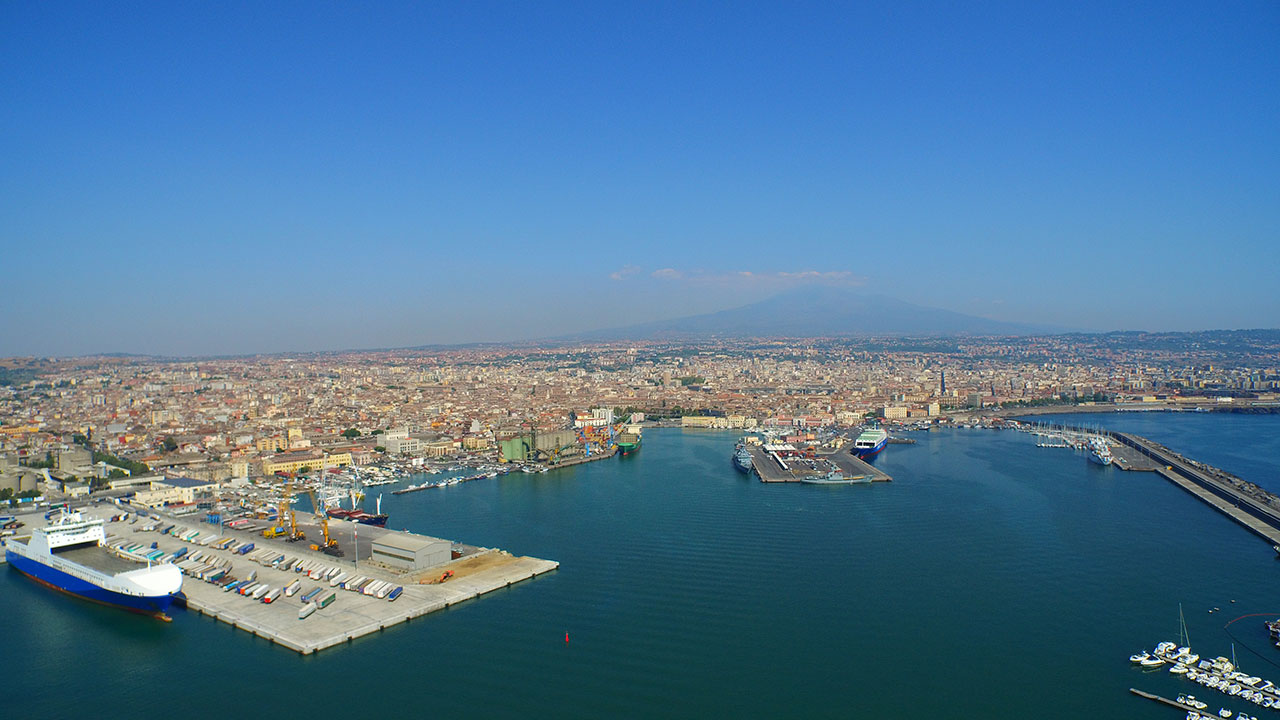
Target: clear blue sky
[220, 178]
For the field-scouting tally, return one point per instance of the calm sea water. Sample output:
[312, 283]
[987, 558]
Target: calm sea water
[991, 579]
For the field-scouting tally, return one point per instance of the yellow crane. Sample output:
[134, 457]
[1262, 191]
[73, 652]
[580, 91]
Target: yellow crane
[286, 510]
[330, 545]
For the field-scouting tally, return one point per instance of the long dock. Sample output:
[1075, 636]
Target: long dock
[1247, 504]
[351, 615]
[1173, 703]
[1255, 509]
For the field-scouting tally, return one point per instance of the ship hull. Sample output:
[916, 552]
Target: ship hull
[365, 519]
[868, 453]
[61, 581]
[628, 448]
[1101, 460]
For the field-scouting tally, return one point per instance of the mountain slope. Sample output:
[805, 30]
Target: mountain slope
[820, 312]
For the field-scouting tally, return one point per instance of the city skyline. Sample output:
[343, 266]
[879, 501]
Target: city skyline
[242, 179]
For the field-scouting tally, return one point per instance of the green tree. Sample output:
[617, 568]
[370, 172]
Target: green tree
[304, 469]
[351, 433]
[169, 443]
[379, 448]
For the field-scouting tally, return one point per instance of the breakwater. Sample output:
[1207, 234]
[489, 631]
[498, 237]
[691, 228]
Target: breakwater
[1253, 507]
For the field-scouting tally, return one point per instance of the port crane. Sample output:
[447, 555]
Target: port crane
[330, 545]
[286, 509]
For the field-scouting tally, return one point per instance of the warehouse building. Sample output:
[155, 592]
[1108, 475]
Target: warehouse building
[406, 551]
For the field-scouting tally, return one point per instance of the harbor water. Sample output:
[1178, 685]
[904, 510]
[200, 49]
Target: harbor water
[992, 578]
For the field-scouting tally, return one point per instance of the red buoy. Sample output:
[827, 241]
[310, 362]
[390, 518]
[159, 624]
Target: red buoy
[566, 637]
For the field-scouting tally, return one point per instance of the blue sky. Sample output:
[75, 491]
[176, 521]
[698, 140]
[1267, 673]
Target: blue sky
[260, 177]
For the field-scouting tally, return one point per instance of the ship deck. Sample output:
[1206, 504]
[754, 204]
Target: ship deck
[96, 558]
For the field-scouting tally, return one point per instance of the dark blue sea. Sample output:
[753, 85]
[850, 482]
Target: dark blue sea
[991, 579]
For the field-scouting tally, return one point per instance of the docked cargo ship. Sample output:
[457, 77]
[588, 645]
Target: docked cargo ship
[69, 555]
[360, 516]
[629, 440]
[870, 442]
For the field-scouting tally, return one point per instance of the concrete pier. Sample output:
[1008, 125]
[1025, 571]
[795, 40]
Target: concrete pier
[1173, 703]
[852, 466]
[351, 615]
[1257, 510]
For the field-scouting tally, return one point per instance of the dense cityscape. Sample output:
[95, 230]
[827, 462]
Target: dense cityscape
[221, 418]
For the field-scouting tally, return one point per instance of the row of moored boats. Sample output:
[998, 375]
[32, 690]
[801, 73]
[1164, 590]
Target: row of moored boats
[1217, 674]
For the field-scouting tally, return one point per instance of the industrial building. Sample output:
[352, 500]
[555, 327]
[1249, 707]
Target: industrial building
[531, 447]
[405, 551]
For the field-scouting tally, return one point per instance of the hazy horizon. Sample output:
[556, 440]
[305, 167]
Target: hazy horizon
[243, 179]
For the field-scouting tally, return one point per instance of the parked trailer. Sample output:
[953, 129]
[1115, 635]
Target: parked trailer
[271, 596]
[233, 585]
[336, 580]
[261, 592]
[246, 549]
[311, 595]
[332, 572]
[328, 600]
[292, 588]
[394, 594]
[382, 591]
[371, 588]
[306, 611]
